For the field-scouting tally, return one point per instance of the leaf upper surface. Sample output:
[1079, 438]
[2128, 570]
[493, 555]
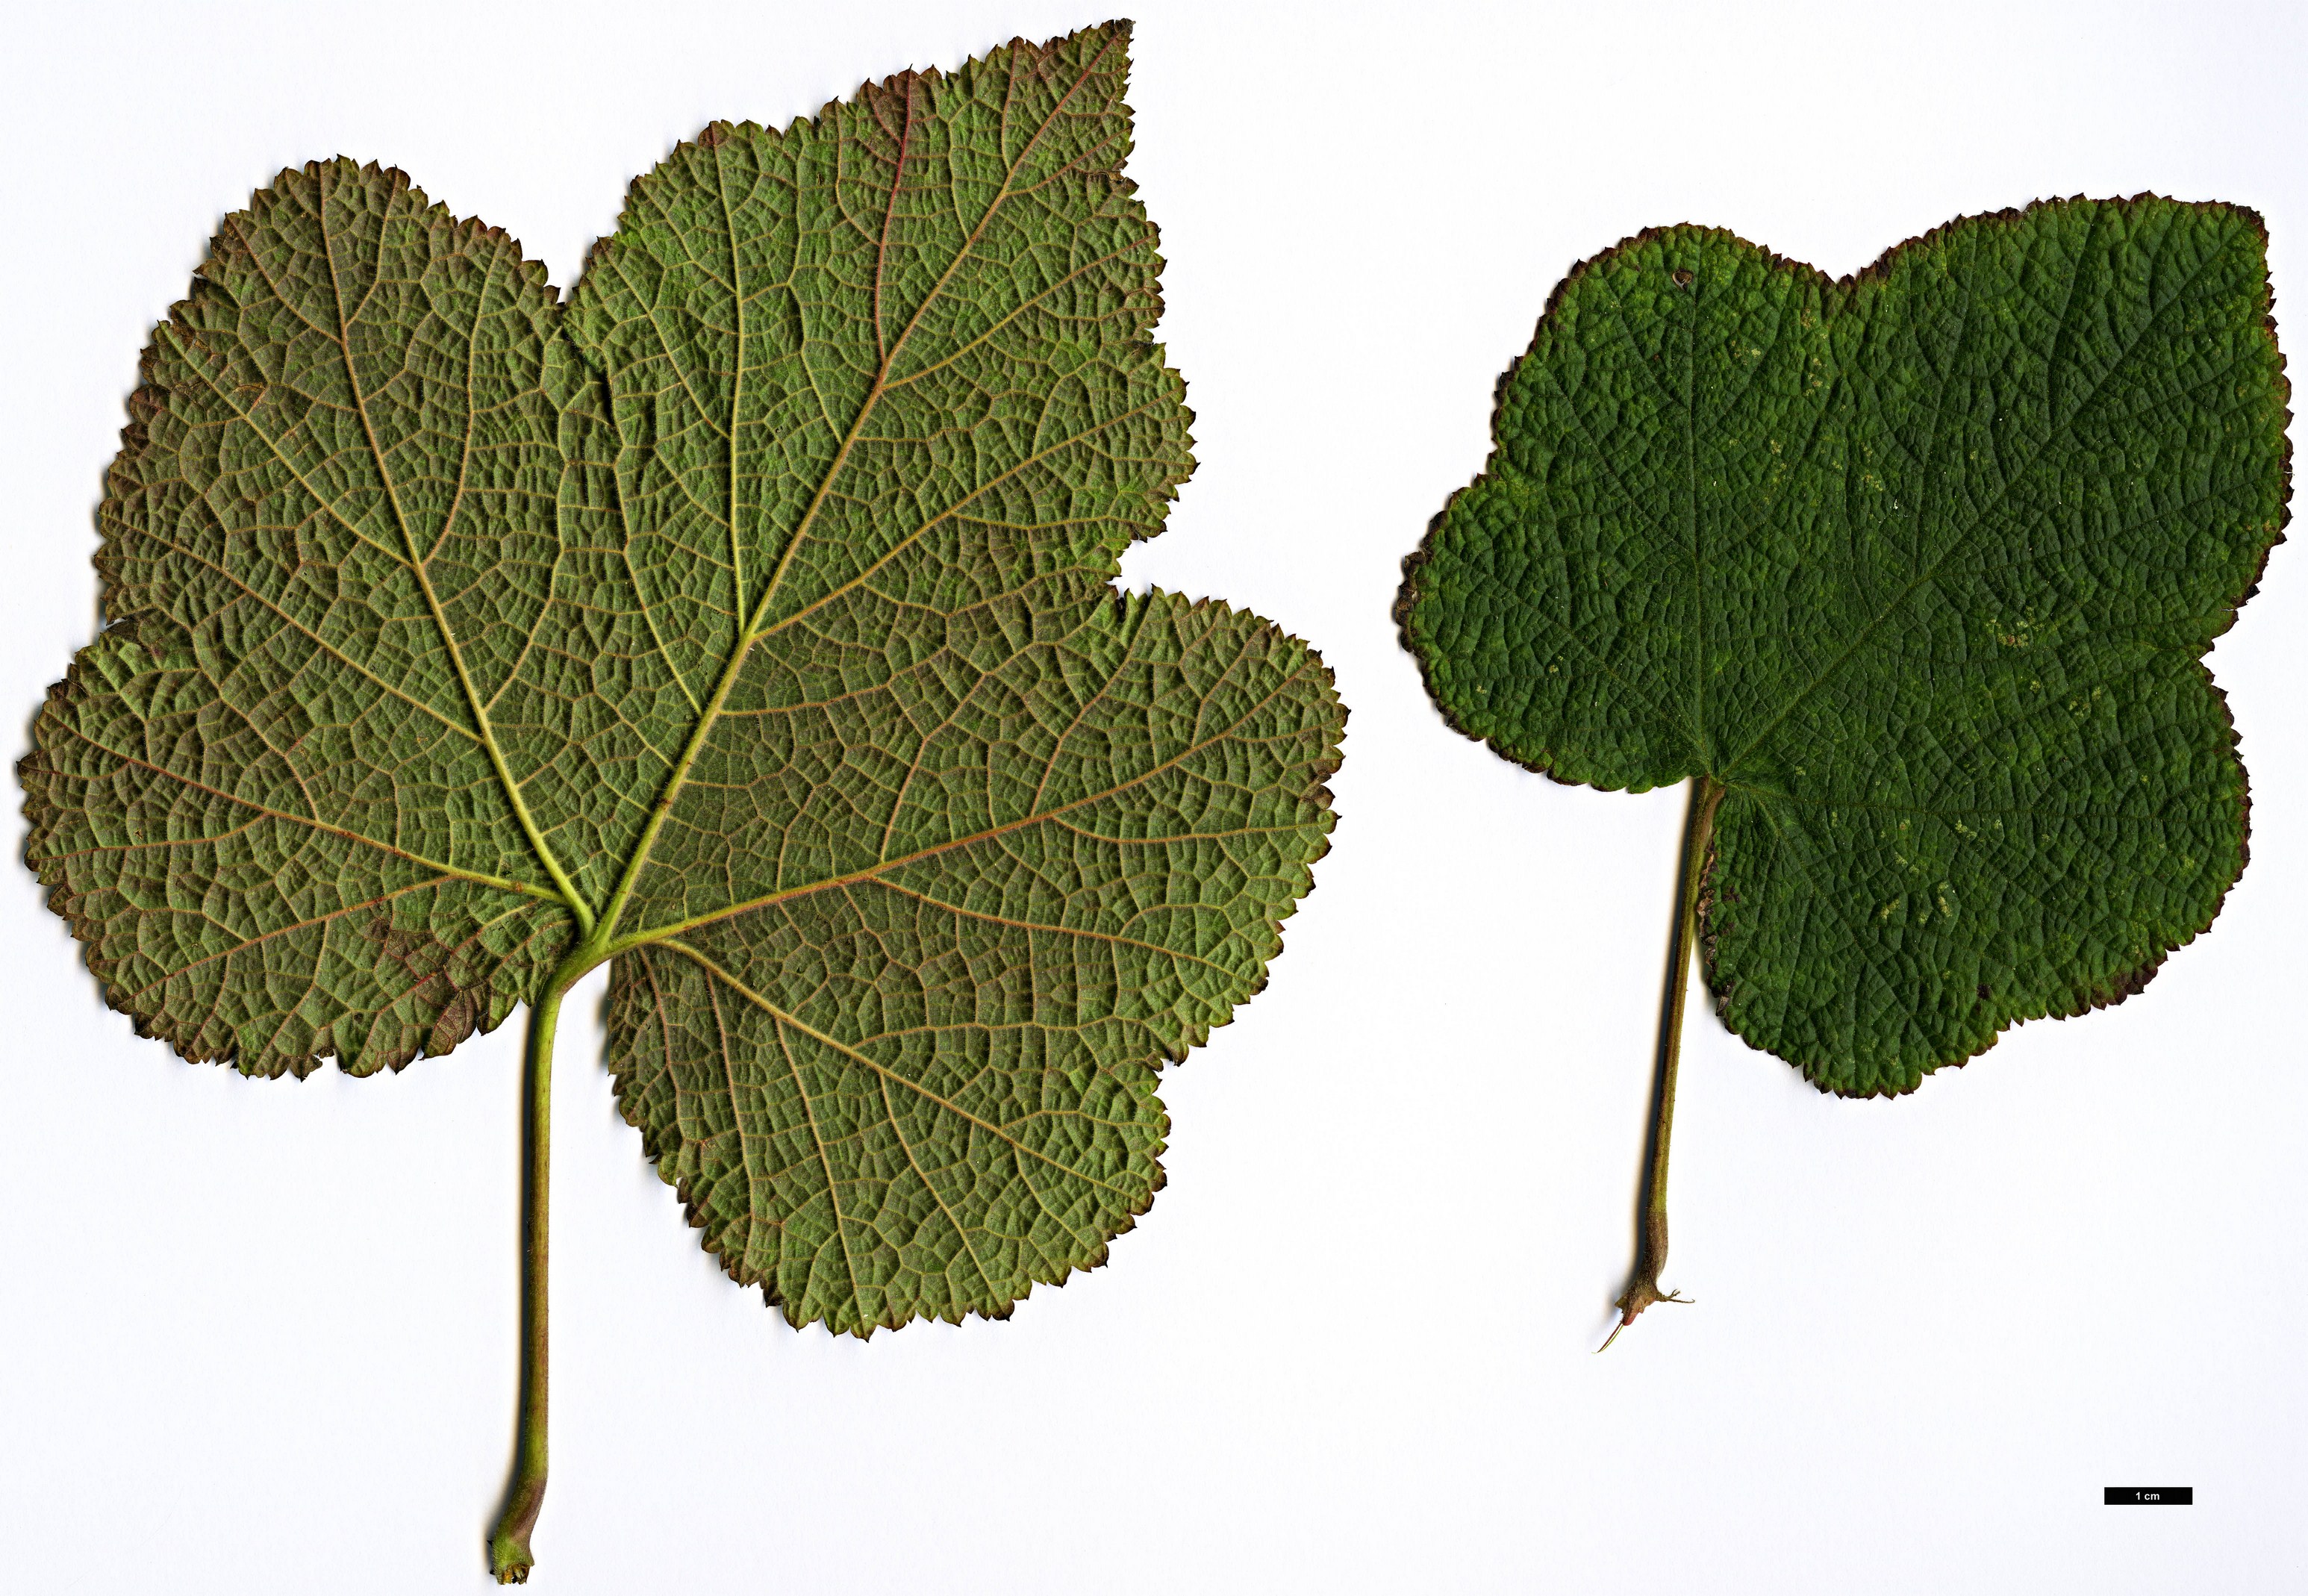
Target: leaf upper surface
[1921, 567]
[750, 623]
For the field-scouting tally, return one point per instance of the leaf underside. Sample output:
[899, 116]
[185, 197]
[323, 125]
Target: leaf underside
[748, 619]
[1921, 567]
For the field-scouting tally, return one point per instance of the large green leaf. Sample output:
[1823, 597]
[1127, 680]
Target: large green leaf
[749, 623]
[1916, 571]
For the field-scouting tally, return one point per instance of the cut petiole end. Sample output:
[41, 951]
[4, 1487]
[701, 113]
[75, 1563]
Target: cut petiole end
[509, 1560]
[1640, 1295]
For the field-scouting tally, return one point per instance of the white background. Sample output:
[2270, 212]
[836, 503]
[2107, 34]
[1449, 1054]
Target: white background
[259, 1336]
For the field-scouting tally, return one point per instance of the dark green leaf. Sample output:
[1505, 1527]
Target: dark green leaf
[1921, 567]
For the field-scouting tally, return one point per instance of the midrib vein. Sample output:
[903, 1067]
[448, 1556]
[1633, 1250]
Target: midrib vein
[679, 776]
[657, 934]
[311, 823]
[481, 724]
[882, 1070]
[736, 394]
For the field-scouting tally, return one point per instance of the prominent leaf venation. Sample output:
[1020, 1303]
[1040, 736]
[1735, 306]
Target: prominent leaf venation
[325, 502]
[880, 1070]
[320, 642]
[312, 822]
[752, 629]
[410, 558]
[417, 560]
[959, 844]
[897, 184]
[771, 568]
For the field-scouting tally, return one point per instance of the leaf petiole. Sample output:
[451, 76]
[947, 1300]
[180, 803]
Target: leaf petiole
[509, 1555]
[1651, 1213]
